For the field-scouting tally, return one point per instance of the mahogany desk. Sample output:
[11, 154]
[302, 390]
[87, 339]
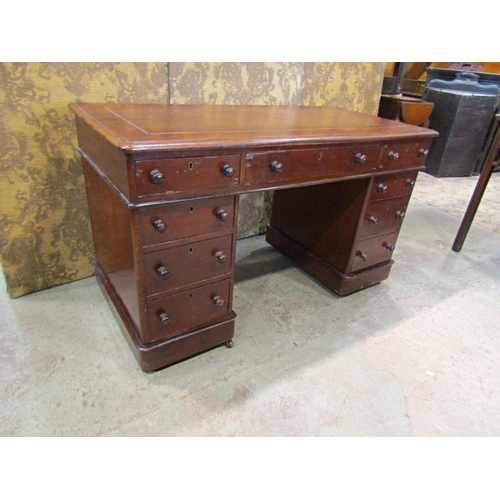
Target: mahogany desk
[163, 185]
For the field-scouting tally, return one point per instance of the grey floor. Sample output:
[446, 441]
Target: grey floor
[414, 356]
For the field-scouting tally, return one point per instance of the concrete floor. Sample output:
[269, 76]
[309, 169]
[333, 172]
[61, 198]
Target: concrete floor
[414, 356]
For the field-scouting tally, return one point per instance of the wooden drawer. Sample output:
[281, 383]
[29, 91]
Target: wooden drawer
[177, 175]
[391, 185]
[181, 266]
[405, 154]
[283, 166]
[173, 221]
[176, 314]
[383, 216]
[374, 251]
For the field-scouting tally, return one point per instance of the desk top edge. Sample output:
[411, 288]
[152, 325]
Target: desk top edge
[143, 127]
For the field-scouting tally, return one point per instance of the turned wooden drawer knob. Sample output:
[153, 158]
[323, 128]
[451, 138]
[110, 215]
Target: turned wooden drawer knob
[219, 302]
[156, 177]
[393, 155]
[382, 188]
[220, 256]
[222, 215]
[163, 319]
[159, 225]
[389, 247]
[359, 158]
[400, 215]
[228, 171]
[410, 183]
[373, 219]
[423, 152]
[162, 272]
[276, 167]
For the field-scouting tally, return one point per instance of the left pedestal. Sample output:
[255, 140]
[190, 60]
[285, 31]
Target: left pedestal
[169, 287]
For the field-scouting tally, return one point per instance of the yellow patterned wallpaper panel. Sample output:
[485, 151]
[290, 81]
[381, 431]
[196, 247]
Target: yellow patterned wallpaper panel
[354, 86]
[45, 237]
[236, 83]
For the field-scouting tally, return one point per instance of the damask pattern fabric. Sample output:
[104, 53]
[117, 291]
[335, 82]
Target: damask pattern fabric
[45, 236]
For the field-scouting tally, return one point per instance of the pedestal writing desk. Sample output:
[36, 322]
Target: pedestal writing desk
[163, 184]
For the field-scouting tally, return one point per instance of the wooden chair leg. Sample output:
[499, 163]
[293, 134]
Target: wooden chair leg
[484, 177]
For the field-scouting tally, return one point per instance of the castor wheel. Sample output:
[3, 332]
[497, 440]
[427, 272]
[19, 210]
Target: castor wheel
[229, 344]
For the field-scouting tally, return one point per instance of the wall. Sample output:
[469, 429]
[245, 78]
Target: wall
[45, 237]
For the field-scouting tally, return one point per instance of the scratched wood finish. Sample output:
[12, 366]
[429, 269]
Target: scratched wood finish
[163, 185]
[187, 174]
[384, 216]
[188, 310]
[173, 221]
[188, 264]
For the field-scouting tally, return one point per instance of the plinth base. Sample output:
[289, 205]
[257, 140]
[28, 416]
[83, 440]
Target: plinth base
[326, 274]
[163, 353]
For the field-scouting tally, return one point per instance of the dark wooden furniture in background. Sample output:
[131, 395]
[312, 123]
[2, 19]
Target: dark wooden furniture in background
[396, 105]
[406, 109]
[489, 165]
[163, 185]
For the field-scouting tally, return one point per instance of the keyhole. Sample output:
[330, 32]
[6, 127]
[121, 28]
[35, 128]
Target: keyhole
[190, 295]
[320, 156]
[190, 166]
[191, 209]
[191, 250]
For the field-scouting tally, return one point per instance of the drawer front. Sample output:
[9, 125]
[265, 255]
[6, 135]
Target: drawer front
[391, 185]
[173, 221]
[374, 251]
[384, 216]
[177, 175]
[176, 314]
[283, 166]
[405, 154]
[183, 265]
